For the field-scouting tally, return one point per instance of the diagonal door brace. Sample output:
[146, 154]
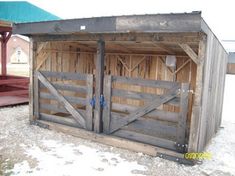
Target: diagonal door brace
[172, 93]
[76, 115]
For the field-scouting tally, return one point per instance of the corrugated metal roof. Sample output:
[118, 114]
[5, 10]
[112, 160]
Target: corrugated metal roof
[22, 11]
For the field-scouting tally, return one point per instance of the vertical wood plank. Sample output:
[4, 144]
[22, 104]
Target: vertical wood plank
[89, 108]
[99, 84]
[107, 108]
[196, 110]
[181, 129]
[36, 97]
[32, 54]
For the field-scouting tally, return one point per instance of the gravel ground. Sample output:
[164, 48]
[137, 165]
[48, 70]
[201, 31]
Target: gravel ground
[20, 143]
[31, 150]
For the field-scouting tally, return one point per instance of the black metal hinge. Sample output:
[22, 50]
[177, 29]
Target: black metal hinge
[177, 159]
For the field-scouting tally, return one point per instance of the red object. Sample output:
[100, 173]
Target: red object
[12, 100]
[13, 89]
[5, 36]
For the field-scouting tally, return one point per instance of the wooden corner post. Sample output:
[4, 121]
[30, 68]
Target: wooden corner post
[197, 103]
[33, 47]
[99, 77]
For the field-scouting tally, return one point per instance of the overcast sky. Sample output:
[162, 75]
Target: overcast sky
[219, 14]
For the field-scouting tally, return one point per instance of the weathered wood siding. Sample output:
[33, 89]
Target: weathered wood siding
[69, 56]
[215, 65]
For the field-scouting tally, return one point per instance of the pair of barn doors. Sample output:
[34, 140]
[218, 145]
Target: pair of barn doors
[148, 111]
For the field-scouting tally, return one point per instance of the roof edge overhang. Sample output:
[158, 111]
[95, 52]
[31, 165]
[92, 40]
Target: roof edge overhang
[154, 23]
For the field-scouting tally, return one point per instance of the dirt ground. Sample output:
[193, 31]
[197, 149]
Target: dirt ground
[31, 150]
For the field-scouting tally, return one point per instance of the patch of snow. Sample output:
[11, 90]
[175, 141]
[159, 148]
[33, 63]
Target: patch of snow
[61, 159]
[37, 151]
[22, 168]
[228, 104]
[222, 146]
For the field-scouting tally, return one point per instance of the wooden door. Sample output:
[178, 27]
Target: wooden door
[151, 122]
[64, 98]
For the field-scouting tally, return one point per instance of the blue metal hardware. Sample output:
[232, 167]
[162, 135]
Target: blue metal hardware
[92, 102]
[102, 101]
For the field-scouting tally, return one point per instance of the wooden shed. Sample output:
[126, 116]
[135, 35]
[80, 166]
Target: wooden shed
[150, 83]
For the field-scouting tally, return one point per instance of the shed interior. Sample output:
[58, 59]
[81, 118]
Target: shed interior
[164, 59]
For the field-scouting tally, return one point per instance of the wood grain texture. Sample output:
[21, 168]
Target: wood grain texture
[181, 129]
[89, 108]
[73, 88]
[107, 109]
[197, 104]
[142, 96]
[147, 126]
[61, 120]
[99, 84]
[31, 74]
[146, 139]
[190, 52]
[148, 108]
[213, 87]
[145, 82]
[36, 97]
[143, 69]
[77, 116]
[156, 114]
[74, 100]
[64, 75]
[111, 140]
